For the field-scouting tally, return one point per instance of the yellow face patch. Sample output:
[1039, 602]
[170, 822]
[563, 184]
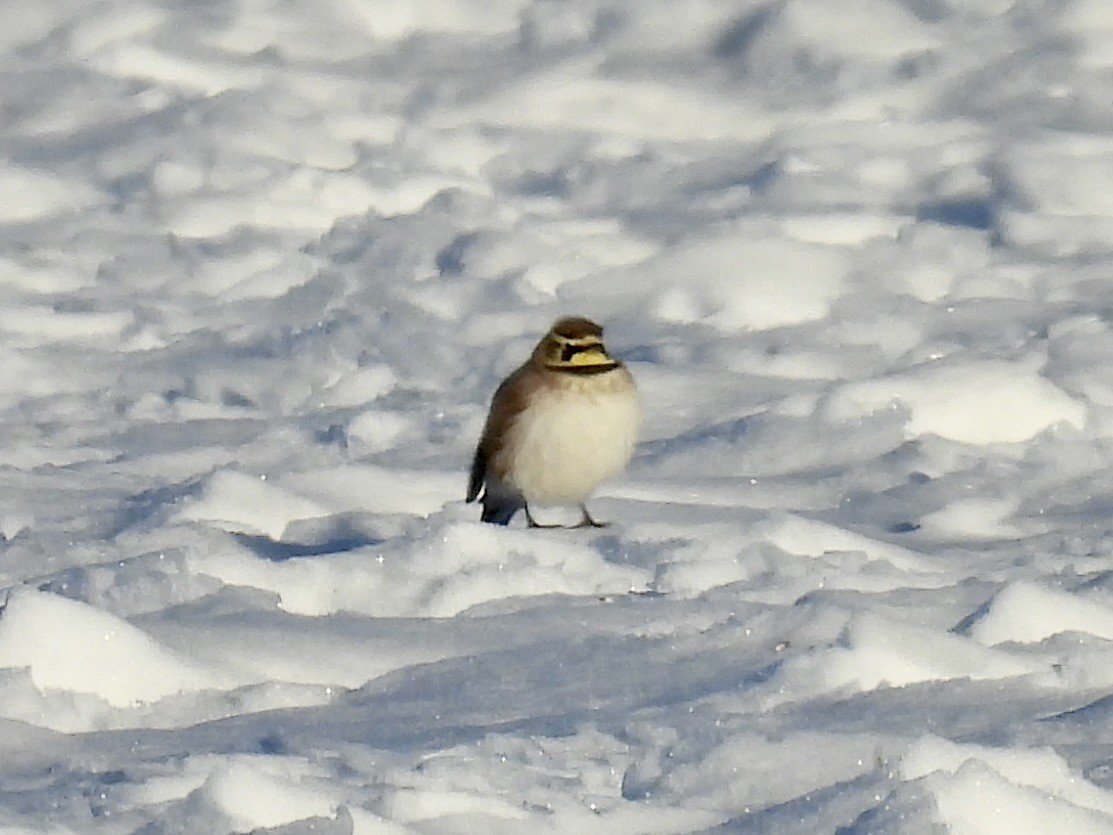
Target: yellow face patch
[595, 355]
[575, 355]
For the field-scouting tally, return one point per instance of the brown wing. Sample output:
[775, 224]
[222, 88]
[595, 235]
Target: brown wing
[511, 398]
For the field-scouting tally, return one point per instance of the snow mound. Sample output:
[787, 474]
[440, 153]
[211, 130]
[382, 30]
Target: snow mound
[973, 518]
[799, 535]
[254, 792]
[69, 645]
[1027, 612]
[876, 651]
[374, 488]
[986, 402]
[33, 195]
[454, 566]
[734, 283]
[984, 791]
[235, 501]
[1090, 22]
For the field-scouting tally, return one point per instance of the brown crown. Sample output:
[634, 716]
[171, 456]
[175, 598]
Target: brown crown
[576, 327]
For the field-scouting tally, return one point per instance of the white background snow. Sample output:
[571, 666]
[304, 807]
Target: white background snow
[262, 264]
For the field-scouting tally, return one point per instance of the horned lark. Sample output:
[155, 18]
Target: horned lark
[558, 427]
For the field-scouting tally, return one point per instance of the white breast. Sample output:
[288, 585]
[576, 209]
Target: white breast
[574, 437]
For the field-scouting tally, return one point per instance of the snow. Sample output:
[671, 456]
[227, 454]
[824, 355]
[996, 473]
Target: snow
[736, 284]
[263, 266]
[962, 401]
[983, 790]
[68, 645]
[1027, 613]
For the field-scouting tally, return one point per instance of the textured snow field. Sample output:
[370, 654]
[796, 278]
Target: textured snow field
[262, 266]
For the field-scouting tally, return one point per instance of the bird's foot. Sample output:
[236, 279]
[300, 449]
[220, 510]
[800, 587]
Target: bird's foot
[587, 522]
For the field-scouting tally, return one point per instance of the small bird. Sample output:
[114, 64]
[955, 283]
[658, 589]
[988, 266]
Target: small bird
[559, 426]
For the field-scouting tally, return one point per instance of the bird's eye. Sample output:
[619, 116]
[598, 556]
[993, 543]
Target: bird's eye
[567, 352]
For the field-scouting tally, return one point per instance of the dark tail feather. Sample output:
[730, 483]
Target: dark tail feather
[478, 474]
[499, 510]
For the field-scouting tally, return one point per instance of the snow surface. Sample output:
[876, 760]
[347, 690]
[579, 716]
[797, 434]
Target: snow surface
[262, 266]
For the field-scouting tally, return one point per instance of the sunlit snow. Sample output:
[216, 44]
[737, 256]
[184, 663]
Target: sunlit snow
[263, 265]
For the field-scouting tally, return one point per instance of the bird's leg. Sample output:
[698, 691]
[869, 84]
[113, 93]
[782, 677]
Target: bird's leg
[587, 522]
[533, 523]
